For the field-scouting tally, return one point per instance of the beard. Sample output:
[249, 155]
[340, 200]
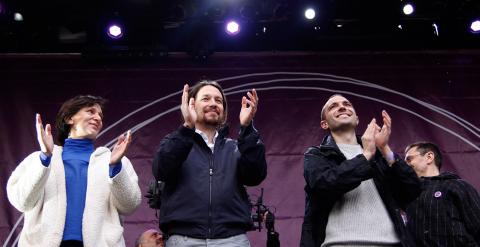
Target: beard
[213, 121]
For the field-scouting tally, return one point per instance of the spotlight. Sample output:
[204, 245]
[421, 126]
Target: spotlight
[114, 31]
[18, 17]
[408, 9]
[232, 28]
[435, 29]
[475, 26]
[310, 14]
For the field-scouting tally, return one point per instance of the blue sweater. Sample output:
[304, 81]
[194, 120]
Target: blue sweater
[76, 156]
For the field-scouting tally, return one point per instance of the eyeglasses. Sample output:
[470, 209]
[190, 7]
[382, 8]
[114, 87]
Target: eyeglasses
[409, 158]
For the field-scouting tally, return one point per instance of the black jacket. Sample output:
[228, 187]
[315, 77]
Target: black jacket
[204, 194]
[447, 213]
[329, 175]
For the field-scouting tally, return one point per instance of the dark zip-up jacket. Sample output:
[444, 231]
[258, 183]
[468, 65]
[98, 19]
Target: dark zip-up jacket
[204, 195]
[447, 213]
[329, 175]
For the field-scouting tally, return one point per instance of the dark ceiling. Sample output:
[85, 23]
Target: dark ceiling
[197, 26]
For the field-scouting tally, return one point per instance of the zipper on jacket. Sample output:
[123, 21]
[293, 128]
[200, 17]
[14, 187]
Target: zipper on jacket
[210, 198]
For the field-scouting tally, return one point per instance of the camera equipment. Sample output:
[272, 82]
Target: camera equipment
[263, 214]
[259, 214]
[154, 193]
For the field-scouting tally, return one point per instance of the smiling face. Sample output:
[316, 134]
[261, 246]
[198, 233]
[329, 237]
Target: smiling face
[86, 123]
[422, 164]
[338, 114]
[209, 107]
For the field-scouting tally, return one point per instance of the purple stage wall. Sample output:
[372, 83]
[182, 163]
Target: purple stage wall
[432, 96]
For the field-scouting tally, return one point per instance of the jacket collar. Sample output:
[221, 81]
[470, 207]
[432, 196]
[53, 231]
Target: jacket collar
[443, 176]
[223, 131]
[329, 143]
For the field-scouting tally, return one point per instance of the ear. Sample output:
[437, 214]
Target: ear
[430, 156]
[69, 121]
[324, 124]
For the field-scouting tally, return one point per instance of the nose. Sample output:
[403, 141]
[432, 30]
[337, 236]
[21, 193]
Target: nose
[97, 117]
[212, 103]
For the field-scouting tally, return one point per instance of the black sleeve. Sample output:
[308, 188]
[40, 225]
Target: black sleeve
[323, 174]
[468, 204]
[173, 151]
[252, 165]
[405, 184]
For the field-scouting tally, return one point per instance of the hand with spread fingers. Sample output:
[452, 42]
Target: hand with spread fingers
[44, 136]
[188, 109]
[120, 147]
[249, 108]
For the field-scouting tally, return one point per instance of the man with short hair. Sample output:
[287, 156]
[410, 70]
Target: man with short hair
[355, 187]
[447, 212]
[204, 201]
[150, 238]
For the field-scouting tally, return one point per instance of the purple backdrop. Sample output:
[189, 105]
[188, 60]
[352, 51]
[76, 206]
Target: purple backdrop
[432, 96]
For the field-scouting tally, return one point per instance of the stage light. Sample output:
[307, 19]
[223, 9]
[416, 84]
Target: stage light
[435, 29]
[310, 14]
[18, 17]
[408, 9]
[232, 28]
[115, 31]
[475, 26]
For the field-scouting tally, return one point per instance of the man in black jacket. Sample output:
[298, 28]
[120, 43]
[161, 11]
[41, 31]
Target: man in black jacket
[204, 202]
[447, 212]
[355, 188]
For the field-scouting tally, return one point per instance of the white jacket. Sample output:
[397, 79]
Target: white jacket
[40, 193]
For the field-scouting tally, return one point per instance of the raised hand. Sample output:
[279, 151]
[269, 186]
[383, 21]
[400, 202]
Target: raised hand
[383, 134]
[188, 109]
[120, 147]
[368, 140]
[44, 136]
[249, 108]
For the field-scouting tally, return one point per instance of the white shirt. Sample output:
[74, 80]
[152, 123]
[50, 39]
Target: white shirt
[205, 138]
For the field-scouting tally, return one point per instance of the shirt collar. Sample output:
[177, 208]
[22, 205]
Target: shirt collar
[205, 138]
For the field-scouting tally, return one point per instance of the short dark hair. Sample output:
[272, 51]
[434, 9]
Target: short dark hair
[70, 108]
[424, 147]
[322, 117]
[196, 88]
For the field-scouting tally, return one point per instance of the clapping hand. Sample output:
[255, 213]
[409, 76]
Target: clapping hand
[120, 147]
[188, 109]
[44, 136]
[249, 108]
[368, 140]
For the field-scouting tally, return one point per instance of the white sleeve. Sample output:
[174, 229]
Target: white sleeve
[125, 190]
[26, 184]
